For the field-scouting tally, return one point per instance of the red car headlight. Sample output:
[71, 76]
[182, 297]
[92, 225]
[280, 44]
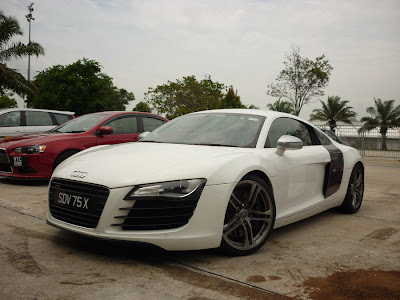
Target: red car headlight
[30, 149]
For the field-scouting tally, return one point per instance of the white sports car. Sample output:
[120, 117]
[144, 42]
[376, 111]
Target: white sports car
[222, 178]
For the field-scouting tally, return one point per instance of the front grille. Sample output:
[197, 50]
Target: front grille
[159, 213]
[4, 162]
[96, 193]
[5, 168]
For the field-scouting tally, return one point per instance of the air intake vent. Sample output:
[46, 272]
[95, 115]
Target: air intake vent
[159, 213]
[4, 162]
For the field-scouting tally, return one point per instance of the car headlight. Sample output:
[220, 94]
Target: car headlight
[30, 149]
[170, 189]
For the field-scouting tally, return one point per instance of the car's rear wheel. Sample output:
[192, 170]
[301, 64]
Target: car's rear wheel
[355, 191]
[249, 217]
[63, 156]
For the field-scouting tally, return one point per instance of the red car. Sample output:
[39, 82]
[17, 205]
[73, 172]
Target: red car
[36, 156]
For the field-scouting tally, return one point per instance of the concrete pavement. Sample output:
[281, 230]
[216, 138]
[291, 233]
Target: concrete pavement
[328, 256]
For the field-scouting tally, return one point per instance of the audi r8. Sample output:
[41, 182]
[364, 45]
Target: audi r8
[213, 179]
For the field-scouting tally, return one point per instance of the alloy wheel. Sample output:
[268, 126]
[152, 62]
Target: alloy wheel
[249, 217]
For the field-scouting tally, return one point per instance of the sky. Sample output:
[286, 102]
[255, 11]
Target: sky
[243, 43]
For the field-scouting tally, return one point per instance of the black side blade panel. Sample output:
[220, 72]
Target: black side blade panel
[333, 171]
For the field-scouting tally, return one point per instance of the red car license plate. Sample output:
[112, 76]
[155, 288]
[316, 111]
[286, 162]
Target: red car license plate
[19, 161]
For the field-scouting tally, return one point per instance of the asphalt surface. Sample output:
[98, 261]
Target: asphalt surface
[328, 256]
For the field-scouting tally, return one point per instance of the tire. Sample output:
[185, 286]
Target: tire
[249, 217]
[63, 156]
[355, 191]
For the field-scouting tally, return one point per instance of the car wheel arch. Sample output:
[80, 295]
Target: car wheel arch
[261, 175]
[360, 163]
[64, 155]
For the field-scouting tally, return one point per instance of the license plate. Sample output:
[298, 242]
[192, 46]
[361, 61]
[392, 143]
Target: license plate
[74, 201]
[17, 161]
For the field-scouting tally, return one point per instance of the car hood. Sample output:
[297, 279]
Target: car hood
[34, 139]
[139, 163]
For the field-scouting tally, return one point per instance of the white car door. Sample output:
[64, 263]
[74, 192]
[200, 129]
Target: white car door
[38, 121]
[300, 174]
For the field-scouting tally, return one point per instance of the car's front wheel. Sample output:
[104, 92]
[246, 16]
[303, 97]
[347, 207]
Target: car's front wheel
[249, 217]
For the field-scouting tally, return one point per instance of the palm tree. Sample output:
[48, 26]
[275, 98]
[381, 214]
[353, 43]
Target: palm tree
[282, 106]
[11, 79]
[384, 115]
[335, 110]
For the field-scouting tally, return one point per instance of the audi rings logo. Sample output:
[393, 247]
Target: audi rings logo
[79, 174]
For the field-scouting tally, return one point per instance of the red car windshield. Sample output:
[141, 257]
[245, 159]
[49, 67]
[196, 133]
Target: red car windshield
[81, 124]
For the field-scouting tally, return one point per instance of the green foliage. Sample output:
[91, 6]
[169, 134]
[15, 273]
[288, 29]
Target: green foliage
[384, 116]
[301, 79]
[231, 100]
[78, 87]
[184, 96]
[335, 110]
[282, 106]
[11, 79]
[251, 106]
[7, 102]
[143, 107]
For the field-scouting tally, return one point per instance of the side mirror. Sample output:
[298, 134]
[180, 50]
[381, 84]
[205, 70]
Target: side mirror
[103, 130]
[143, 135]
[288, 142]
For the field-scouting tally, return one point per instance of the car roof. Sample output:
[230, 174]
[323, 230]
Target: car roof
[258, 112]
[124, 112]
[71, 113]
[36, 109]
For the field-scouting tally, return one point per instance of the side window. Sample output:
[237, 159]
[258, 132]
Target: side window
[124, 125]
[287, 126]
[11, 119]
[61, 118]
[149, 124]
[38, 118]
[322, 138]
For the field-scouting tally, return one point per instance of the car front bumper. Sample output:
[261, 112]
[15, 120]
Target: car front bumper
[23, 166]
[203, 231]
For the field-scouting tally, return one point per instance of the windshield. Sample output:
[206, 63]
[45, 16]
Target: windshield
[212, 129]
[81, 124]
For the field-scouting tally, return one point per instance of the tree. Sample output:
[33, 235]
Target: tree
[7, 102]
[80, 87]
[184, 96]
[11, 79]
[231, 100]
[335, 110]
[143, 107]
[384, 115]
[301, 79]
[282, 106]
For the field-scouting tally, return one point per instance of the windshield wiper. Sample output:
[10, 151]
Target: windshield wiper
[74, 131]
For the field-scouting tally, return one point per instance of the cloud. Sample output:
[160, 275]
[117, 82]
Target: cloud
[145, 43]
